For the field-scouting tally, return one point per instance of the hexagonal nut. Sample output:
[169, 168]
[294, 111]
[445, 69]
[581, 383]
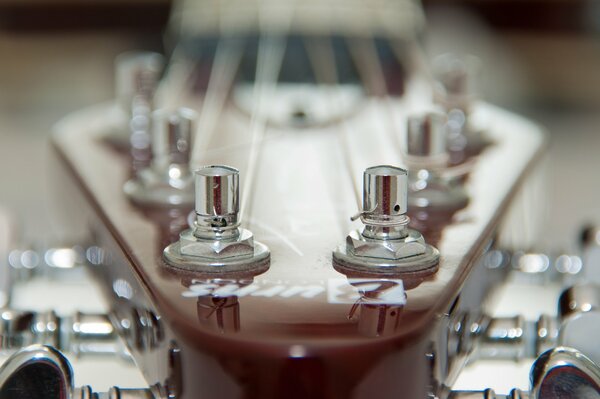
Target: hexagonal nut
[412, 245]
[242, 246]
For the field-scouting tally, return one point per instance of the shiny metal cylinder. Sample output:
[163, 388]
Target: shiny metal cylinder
[579, 313]
[426, 135]
[486, 394]
[564, 370]
[385, 190]
[455, 76]
[90, 334]
[172, 135]
[137, 74]
[122, 393]
[217, 197]
[509, 338]
[579, 299]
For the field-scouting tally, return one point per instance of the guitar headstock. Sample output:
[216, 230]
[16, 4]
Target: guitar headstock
[251, 270]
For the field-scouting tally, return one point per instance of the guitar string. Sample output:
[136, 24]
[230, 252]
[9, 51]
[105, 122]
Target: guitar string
[228, 56]
[271, 50]
[226, 62]
[322, 58]
[177, 78]
[370, 68]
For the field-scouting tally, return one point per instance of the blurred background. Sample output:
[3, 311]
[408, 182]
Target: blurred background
[540, 59]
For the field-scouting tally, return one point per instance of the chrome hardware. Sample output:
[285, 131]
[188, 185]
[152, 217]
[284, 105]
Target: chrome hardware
[216, 242]
[137, 74]
[426, 138]
[558, 373]
[546, 334]
[167, 181]
[91, 334]
[538, 268]
[55, 261]
[426, 156]
[579, 299]
[579, 318]
[455, 76]
[488, 394]
[172, 141]
[504, 337]
[217, 202]
[386, 244]
[513, 338]
[590, 254]
[385, 202]
[81, 334]
[41, 371]
[455, 92]
[564, 373]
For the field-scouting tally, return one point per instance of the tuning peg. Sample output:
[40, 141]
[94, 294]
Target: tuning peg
[566, 373]
[216, 242]
[455, 77]
[172, 136]
[168, 180]
[427, 158]
[137, 75]
[385, 244]
[385, 201]
[579, 318]
[217, 201]
[426, 139]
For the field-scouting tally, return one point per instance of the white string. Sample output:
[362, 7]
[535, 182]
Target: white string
[270, 57]
[179, 75]
[227, 59]
[369, 66]
[323, 61]
[271, 50]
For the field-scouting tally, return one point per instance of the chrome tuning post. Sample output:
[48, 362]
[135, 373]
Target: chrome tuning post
[137, 74]
[168, 180]
[427, 157]
[455, 76]
[454, 90]
[216, 243]
[426, 140]
[385, 244]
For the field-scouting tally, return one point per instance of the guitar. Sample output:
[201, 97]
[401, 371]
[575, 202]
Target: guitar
[248, 278]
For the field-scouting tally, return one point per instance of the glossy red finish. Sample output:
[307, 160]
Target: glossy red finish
[283, 332]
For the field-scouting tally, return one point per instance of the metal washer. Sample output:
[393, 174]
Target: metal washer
[419, 263]
[260, 260]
